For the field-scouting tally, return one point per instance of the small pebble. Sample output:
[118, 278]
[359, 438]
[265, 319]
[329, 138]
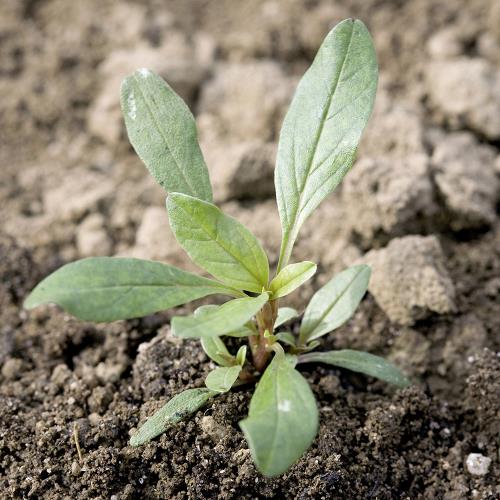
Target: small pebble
[477, 464]
[11, 368]
[75, 468]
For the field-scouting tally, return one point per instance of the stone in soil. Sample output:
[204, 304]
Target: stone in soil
[388, 196]
[409, 279]
[464, 174]
[242, 170]
[247, 100]
[465, 92]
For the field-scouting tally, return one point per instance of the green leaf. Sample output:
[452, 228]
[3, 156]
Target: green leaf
[177, 409]
[218, 243]
[217, 351]
[286, 338]
[112, 288]
[244, 331]
[241, 355]
[283, 417]
[285, 314]
[361, 362]
[323, 126]
[222, 379]
[291, 277]
[332, 305]
[218, 321]
[163, 132]
[241, 332]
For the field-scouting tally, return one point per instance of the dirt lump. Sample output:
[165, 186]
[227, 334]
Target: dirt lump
[410, 280]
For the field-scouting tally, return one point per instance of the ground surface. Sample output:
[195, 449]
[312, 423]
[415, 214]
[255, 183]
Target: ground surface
[421, 205]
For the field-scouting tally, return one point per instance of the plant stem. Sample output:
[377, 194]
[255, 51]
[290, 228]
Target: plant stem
[245, 377]
[259, 344]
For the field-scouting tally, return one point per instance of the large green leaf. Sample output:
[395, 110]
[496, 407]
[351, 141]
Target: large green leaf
[218, 243]
[177, 409]
[243, 331]
[291, 277]
[222, 379]
[359, 361]
[163, 132]
[219, 321]
[332, 305]
[112, 288]
[323, 126]
[283, 417]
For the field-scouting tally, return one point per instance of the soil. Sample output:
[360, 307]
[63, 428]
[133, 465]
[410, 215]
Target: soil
[425, 196]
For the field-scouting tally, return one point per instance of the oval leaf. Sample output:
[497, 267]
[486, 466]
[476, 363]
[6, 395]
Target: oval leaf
[217, 351]
[283, 417]
[291, 277]
[178, 408]
[219, 321]
[323, 126]
[163, 132]
[286, 338]
[285, 314]
[113, 288]
[222, 379]
[359, 361]
[332, 305]
[218, 243]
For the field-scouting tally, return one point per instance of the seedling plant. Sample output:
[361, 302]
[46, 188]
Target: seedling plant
[317, 147]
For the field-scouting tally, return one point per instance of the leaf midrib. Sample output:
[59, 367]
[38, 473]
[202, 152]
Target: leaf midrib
[180, 170]
[327, 311]
[176, 285]
[276, 420]
[320, 131]
[219, 243]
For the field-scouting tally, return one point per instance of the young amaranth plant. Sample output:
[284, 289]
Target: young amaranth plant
[317, 147]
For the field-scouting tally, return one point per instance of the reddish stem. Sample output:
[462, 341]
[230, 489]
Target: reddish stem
[259, 344]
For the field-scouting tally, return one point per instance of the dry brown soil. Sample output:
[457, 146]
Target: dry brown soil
[421, 205]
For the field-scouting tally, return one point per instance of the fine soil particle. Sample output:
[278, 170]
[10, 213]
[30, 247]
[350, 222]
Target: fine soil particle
[428, 182]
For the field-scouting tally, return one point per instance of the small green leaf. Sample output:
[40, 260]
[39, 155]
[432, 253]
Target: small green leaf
[361, 362]
[222, 379]
[113, 288]
[332, 305]
[241, 355]
[218, 243]
[283, 417]
[177, 409]
[218, 321]
[291, 277]
[163, 132]
[286, 338]
[285, 314]
[323, 126]
[217, 351]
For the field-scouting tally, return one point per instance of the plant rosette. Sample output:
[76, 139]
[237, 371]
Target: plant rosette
[317, 147]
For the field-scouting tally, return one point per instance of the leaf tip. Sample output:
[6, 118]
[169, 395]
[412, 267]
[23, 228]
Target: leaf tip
[404, 382]
[143, 73]
[29, 302]
[135, 441]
